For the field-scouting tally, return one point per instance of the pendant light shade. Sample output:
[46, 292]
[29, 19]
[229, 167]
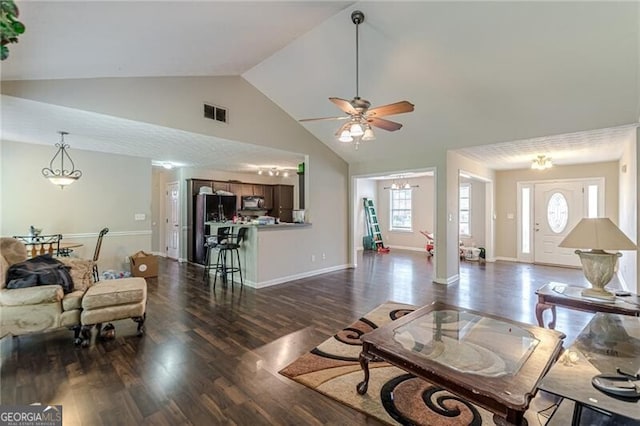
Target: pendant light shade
[58, 171]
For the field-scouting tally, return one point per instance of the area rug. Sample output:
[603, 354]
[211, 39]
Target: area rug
[394, 397]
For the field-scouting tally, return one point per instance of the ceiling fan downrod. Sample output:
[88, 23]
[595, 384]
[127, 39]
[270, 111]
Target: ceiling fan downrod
[357, 17]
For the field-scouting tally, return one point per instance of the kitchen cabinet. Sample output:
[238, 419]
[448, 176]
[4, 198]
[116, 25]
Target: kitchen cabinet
[268, 196]
[221, 186]
[283, 202]
[257, 190]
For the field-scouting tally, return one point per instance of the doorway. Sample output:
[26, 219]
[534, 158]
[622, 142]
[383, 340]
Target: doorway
[173, 220]
[548, 211]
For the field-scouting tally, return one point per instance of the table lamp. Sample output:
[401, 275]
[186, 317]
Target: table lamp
[598, 266]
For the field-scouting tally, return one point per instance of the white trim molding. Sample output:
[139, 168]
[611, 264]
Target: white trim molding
[450, 280]
[110, 234]
[308, 274]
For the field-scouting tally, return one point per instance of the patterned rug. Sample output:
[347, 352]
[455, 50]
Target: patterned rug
[395, 397]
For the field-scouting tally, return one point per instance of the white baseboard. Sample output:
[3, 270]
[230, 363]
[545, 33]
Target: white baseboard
[109, 234]
[447, 281]
[408, 248]
[506, 259]
[308, 274]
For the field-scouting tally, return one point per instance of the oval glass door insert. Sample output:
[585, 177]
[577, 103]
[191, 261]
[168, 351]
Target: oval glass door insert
[557, 212]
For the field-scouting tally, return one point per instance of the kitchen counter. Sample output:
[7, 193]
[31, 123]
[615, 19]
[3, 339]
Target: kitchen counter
[261, 264]
[281, 225]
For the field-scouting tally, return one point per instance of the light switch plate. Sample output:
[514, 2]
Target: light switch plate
[139, 216]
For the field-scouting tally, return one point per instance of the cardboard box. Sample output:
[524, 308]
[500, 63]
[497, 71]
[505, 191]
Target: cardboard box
[144, 265]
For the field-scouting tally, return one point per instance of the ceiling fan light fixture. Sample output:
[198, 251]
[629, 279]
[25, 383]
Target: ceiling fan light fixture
[356, 130]
[542, 162]
[345, 136]
[368, 134]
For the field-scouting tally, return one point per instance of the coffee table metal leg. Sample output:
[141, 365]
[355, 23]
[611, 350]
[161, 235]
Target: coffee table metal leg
[364, 358]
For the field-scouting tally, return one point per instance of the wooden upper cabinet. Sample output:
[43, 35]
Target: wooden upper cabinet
[220, 186]
[268, 196]
[237, 189]
[257, 190]
[196, 184]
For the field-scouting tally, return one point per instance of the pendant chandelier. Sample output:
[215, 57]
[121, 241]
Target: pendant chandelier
[405, 185]
[56, 172]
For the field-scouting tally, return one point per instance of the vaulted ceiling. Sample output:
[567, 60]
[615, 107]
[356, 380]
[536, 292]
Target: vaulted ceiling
[514, 74]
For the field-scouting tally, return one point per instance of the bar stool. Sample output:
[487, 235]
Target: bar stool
[221, 263]
[212, 242]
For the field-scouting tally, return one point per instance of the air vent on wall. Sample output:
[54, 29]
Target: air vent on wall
[215, 113]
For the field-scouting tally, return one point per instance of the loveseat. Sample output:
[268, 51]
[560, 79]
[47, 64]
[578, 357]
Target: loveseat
[41, 308]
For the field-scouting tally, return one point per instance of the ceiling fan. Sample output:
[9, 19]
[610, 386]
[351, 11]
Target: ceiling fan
[361, 117]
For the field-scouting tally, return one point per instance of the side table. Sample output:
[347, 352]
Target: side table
[560, 294]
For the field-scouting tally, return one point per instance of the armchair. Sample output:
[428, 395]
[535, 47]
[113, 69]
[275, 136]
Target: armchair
[40, 308]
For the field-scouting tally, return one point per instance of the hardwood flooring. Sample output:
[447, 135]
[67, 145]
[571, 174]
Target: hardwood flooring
[211, 357]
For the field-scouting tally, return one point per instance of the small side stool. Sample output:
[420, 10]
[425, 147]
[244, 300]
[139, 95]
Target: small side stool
[113, 300]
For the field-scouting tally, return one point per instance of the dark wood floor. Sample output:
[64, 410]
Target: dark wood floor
[211, 357]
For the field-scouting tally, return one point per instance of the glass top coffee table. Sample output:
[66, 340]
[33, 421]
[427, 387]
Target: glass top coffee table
[493, 362]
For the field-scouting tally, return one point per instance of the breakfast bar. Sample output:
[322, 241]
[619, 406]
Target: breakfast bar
[260, 263]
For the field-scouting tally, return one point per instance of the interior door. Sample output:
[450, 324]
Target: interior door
[558, 207]
[173, 220]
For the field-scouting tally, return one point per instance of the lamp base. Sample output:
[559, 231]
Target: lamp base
[598, 267]
[598, 293]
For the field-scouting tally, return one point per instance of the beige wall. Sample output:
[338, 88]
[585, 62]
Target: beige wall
[177, 102]
[112, 189]
[506, 199]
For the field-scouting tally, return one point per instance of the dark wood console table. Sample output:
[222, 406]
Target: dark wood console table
[559, 294]
[490, 361]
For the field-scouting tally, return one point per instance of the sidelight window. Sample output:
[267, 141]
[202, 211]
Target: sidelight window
[465, 209]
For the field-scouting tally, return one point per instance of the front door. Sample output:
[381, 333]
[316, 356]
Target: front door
[173, 220]
[558, 207]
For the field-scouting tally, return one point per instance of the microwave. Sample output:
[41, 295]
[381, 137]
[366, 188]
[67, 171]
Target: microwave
[252, 202]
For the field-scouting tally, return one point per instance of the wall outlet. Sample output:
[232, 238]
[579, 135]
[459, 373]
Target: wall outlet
[139, 216]
[324, 256]
[313, 257]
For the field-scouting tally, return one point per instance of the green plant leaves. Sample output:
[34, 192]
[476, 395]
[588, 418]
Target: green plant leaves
[10, 27]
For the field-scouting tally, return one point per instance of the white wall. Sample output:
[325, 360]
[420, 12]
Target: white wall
[628, 217]
[478, 217]
[112, 189]
[365, 188]
[422, 212]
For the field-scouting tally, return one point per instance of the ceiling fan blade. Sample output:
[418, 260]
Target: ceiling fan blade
[385, 124]
[344, 105]
[325, 118]
[391, 109]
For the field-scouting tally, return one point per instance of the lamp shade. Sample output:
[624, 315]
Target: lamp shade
[598, 234]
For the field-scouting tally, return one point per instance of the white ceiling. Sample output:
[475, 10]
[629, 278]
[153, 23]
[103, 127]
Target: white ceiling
[31, 122]
[478, 73]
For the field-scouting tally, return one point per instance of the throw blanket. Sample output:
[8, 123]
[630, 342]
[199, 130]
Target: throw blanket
[41, 270]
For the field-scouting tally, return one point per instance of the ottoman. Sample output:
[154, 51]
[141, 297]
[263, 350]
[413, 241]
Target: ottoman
[113, 300]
